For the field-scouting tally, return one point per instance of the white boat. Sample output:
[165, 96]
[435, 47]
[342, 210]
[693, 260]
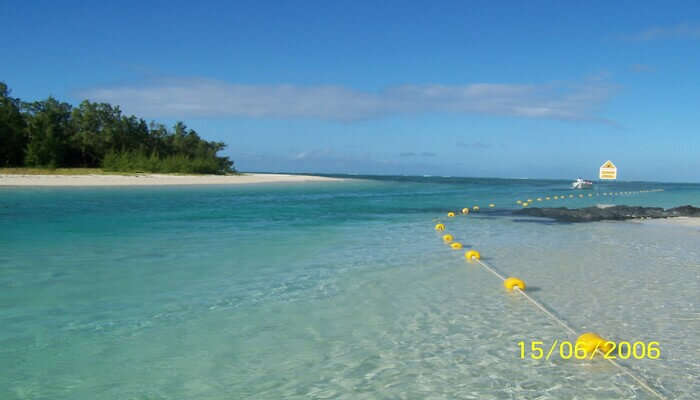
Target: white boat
[581, 184]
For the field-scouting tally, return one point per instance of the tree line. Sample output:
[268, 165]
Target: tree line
[54, 134]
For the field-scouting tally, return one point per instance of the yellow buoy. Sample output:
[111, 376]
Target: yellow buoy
[439, 227]
[525, 204]
[450, 214]
[529, 200]
[465, 210]
[571, 196]
[547, 198]
[472, 255]
[556, 197]
[590, 341]
[518, 201]
[456, 245]
[512, 282]
[447, 238]
[539, 199]
[492, 205]
[475, 208]
[580, 195]
[590, 195]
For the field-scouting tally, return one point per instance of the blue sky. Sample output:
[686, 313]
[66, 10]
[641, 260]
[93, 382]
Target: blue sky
[536, 89]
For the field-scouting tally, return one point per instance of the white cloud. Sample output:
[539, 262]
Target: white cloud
[681, 31]
[207, 98]
[312, 154]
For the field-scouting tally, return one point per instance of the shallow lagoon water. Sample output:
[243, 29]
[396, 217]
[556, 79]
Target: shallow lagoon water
[334, 290]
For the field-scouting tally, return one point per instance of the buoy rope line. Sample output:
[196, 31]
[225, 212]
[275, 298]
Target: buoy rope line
[558, 320]
[590, 342]
[637, 379]
[544, 309]
[533, 301]
[554, 197]
[491, 270]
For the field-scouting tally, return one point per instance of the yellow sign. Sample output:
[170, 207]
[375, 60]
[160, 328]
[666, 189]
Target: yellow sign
[608, 170]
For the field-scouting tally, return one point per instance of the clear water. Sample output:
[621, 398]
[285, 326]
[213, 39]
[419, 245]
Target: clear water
[334, 290]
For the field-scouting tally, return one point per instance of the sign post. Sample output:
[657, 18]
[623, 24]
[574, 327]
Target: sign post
[608, 170]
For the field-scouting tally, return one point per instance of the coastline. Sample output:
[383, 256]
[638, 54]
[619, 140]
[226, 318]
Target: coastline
[155, 179]
[693, 222]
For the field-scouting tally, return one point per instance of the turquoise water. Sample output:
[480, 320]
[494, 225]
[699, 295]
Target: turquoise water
[335, 290]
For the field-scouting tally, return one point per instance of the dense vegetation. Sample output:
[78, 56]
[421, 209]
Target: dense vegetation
[53, 134]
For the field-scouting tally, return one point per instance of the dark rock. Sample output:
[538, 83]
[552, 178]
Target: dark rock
[589, 214]
[685, 211]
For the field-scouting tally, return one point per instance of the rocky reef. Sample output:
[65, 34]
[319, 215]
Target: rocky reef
[589, 214]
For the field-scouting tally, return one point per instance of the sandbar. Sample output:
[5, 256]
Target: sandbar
[154, 179]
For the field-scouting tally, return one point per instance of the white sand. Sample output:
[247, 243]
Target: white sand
[153, 179]
[683, 221]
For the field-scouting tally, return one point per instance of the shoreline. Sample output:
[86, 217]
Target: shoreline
[12, 180]
[692, 222]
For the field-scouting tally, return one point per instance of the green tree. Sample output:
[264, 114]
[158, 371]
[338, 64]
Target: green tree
[13, 139]
[54, 134]
[49, 132]
[88, 137]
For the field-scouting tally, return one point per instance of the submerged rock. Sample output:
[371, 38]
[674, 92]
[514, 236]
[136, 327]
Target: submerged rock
[589, 214]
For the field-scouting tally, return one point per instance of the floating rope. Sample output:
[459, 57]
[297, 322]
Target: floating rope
[625, 370]
[558, 320]
[533, 301]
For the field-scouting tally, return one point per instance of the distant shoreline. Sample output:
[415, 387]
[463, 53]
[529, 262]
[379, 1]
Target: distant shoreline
[7, 180]
[693, 222]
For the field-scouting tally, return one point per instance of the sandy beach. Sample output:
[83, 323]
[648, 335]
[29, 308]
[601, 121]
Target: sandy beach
[154, 179]
[682, 221]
